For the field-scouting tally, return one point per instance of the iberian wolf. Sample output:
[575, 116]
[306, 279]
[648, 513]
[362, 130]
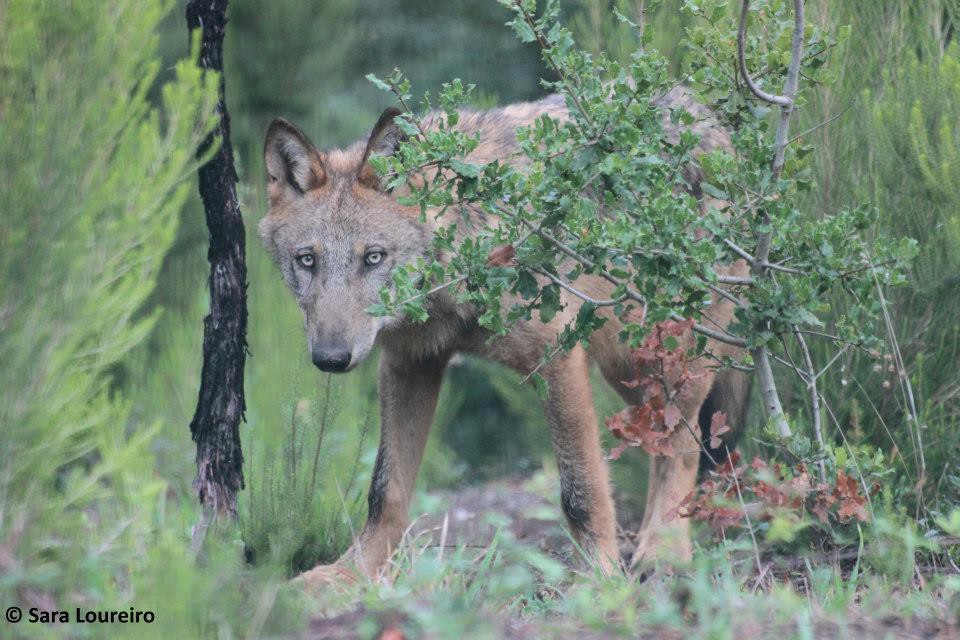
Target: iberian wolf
[336, 234]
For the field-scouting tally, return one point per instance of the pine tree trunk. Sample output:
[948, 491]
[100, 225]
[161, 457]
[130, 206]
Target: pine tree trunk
[220, 406]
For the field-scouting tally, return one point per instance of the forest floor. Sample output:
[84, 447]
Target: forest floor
[780, 604]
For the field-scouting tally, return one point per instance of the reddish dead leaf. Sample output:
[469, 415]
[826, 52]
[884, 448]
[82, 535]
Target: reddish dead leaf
[718, 427]
[728, 466]
[852, 503]
[799, 485]
[501, 256]
[712, 507]
[654, 393]
[392, 633]
[777, 496]
[776, 487]
[822, 502]
[724, 517]
[638, 426]
[657, 402]
[851, 509]
[662, 375]
[626, 424]
[645, 353]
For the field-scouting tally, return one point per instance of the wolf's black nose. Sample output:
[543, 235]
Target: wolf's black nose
[331, 360]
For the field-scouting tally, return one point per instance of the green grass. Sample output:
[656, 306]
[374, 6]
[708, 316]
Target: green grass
[485, 591]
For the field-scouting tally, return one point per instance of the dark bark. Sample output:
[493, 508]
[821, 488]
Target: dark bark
[220, 406]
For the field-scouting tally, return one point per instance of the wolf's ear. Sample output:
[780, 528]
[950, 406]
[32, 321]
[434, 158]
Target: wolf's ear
[384, 140]
[294, 165]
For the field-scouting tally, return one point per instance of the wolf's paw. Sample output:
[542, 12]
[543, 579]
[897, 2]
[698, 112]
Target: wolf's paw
[326, 577]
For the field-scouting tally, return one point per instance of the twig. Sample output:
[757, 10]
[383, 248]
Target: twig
[726, 338]
[439, 287]
[790, 365]
[547, 358]
[743, 506]
[822, 124]
[699, 440]
[726, 294]
[907, 389]
[630, 293]
[546, 49]
[835, 357]
[811, 380]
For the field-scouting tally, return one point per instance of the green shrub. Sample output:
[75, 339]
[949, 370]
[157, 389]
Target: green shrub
[893, 143]
[93, 180]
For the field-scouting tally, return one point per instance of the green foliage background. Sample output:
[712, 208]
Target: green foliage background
[102, 271]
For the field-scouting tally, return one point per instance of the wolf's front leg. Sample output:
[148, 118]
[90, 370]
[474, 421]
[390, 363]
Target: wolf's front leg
[584, 479]
[408, 397]
[664, 536]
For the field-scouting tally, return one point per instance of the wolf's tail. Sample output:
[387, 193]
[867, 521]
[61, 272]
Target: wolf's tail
[731, 395]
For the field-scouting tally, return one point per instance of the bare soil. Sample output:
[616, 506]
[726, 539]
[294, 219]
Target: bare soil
[534, 519]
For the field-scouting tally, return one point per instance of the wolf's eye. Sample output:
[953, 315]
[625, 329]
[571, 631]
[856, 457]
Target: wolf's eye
[305, 260]
[373, 258]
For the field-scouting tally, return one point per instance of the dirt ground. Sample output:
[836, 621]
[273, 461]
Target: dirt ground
[535, 520]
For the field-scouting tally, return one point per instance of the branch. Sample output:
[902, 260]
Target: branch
[726, 294]
[759, 268]
[630, 293]
[768, 391]
[583, 296]
[782, 101]
[726, 338]
[835, 357]
[735, 280]
[789, 90]
[753, 261]
[740, 252]
[220, 403]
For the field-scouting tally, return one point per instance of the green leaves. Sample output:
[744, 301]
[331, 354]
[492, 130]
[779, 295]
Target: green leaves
[605, 192]
[377, 82]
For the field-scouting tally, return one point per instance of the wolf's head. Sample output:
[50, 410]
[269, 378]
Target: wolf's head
[336, 236]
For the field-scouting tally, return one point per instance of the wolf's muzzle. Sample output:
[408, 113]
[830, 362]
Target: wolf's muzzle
[331, 360]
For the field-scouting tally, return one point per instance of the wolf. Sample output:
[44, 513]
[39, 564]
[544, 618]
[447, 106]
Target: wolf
[336, 234]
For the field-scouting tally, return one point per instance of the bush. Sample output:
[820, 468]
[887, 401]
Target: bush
[94, 177]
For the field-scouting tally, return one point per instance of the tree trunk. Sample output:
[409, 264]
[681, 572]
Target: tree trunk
[220, 406]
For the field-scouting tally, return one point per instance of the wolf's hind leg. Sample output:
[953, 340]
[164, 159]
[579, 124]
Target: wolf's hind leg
[671, 479]
[408, 397]
[584, 479]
